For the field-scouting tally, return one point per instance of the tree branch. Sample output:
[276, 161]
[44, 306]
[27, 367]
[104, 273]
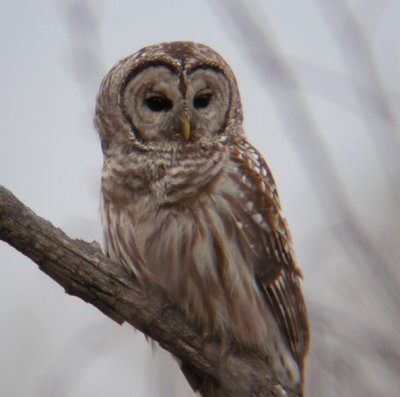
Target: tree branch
[82, 270]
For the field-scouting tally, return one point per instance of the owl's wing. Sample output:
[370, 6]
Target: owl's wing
[276, 270]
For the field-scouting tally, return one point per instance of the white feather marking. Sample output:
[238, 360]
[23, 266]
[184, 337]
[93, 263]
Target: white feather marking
[250, 206]
[258, 218]
[265, 227]
[264, 171]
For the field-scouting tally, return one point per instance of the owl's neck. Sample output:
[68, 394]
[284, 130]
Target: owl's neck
[174, 177]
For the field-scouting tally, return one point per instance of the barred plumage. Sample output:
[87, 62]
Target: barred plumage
[189, 204]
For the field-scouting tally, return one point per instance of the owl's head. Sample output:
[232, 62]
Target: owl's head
[178, 93]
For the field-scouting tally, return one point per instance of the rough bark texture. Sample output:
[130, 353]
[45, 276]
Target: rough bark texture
[82, 270]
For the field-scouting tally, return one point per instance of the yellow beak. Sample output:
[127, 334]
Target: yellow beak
[186, 128]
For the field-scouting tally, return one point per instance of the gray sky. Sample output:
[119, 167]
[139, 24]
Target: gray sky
[50, 157]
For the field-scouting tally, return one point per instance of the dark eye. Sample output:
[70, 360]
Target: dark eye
[202, 100]
[158, 103]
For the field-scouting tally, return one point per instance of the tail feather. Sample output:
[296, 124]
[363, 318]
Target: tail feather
[206, 388]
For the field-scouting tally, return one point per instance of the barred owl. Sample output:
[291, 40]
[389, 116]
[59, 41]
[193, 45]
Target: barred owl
[190, 205]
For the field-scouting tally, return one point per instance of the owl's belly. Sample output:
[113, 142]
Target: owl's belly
[196, 254]
[201, 256]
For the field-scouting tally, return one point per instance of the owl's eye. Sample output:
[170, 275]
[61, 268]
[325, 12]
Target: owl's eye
[202, 100]
[158, 103]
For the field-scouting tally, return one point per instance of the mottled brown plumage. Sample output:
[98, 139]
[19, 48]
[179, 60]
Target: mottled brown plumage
[189, 204]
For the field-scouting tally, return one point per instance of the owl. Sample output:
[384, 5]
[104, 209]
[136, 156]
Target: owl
[188, 204]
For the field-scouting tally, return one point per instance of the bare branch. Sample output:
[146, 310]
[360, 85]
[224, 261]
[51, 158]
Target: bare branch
[82, 270]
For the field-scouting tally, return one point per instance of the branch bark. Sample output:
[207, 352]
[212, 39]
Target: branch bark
[83, 271]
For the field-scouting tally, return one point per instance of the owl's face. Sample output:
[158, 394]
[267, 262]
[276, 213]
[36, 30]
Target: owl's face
[168, 95]
[163, 105]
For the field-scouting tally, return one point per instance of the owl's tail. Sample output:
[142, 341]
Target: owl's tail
[208, 388]
[211, 390]
[204, 387]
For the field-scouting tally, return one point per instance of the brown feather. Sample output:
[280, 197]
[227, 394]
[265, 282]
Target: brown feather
[201, 218]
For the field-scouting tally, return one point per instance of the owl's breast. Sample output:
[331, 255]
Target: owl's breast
[199, 253]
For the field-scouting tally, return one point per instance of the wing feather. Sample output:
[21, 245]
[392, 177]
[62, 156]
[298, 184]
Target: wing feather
[276, 272]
